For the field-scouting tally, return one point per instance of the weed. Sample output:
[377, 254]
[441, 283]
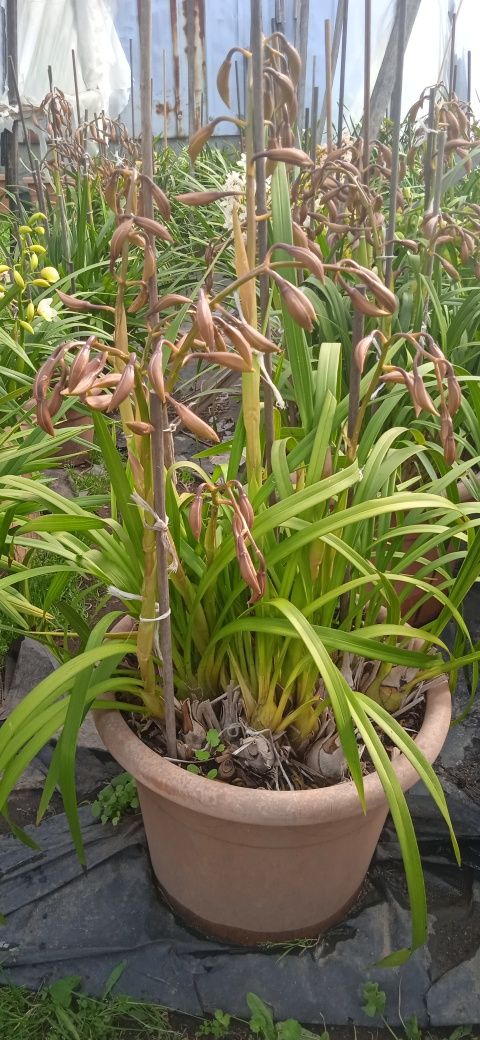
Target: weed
[117, 799]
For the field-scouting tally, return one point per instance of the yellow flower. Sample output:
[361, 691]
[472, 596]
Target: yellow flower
[50, 274]
[46, 311]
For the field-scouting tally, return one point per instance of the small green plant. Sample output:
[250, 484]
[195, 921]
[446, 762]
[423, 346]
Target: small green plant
[213, 746]
[261, 1024]
[218, 1026]
[116, 800]
[374, 1002]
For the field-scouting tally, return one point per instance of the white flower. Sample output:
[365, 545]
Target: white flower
[46, 311]
[236, 181]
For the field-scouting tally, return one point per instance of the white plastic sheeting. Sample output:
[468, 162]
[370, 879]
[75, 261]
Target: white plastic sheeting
[48, 31]
[100, 31]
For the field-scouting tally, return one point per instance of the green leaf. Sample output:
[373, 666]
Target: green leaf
[373, 999]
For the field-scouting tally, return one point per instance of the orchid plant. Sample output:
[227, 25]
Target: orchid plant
[275, 593]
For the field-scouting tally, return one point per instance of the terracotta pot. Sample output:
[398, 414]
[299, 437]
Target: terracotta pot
[248, 865]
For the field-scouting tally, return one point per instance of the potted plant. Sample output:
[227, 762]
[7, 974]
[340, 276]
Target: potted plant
[257, 685]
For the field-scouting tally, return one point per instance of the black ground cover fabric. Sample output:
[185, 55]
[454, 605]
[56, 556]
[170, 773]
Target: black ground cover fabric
[62, 920]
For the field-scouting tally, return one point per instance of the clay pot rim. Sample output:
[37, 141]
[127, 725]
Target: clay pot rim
[263, 807]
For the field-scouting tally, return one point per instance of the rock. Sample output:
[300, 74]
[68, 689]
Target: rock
[60, 482]
[455, 997]
[24, 670]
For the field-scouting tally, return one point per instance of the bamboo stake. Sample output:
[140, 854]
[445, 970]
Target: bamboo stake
[469, 77]
[11, 136]
[437, 194]
[132, 95]
[75, 81]
[313, 132]
[31, 157]
[358, 332]
[366, 88]
[301, 43]
[158, 410]
[396, 112]
[343, 65]
[429, 149]
[261, 205]
[334, 49]
[157, 415]
[165, 108]
[328, 83]
[451, 78]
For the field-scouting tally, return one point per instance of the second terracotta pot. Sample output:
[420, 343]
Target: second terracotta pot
[247, 865]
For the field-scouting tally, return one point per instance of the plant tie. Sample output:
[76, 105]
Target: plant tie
[158, 525]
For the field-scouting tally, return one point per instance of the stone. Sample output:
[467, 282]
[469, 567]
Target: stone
[32, 663]
[455, 997]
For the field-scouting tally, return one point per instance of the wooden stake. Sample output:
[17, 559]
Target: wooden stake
[469, 77]
[366, 88]
[132, 94]
[343, 65]
[328, 84]
[396, 114]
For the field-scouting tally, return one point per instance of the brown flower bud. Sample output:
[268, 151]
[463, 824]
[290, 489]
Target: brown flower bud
[99, 402]
[361, 350]
[90, 373]
[204, 320]
[454, 392]
[203, 198]
[143, 429]
[155, 372]
[246, 508]
[154, 228]
[44, 418]
[119, 237]
[247, 569]
[257, 339]
[81, 306]
[125, 386]
[296, 303]
[199, 139]
[79, 365]
[140, 300]
[421, 395]
[221, 357]
[195, 516]
[304, 256]
[159, 198]
[223, 80]
[295, 156]
[193, 422]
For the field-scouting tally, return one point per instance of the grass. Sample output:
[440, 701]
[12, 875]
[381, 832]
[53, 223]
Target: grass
[58, 1013]
[61, 1011]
